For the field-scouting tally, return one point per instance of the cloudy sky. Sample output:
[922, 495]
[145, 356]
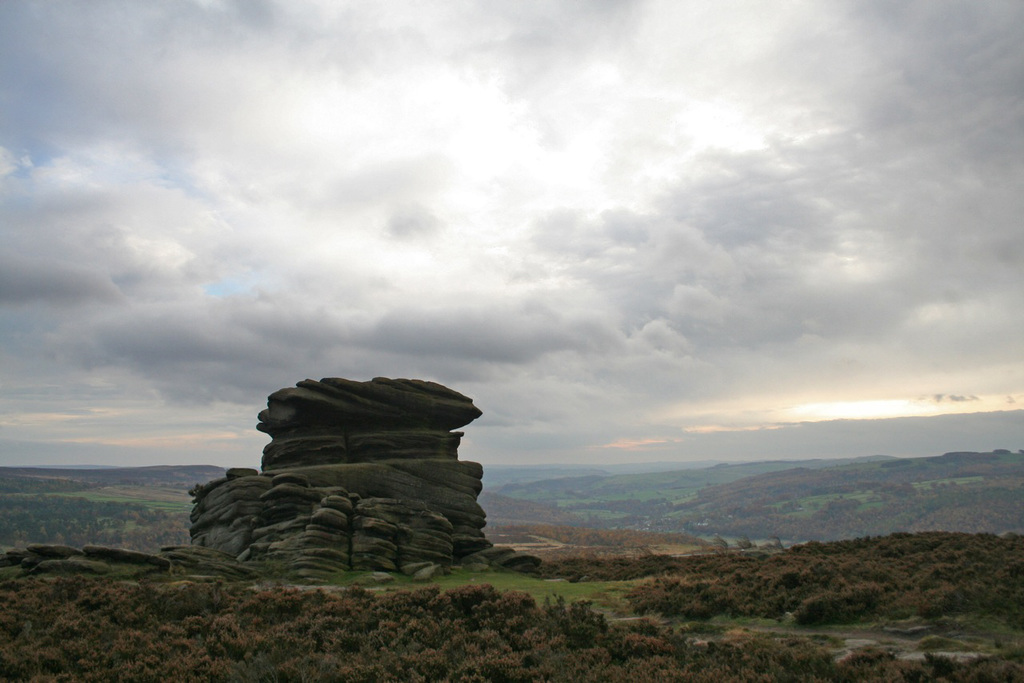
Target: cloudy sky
[629, 230]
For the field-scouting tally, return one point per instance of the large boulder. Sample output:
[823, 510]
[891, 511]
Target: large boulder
[358, 475]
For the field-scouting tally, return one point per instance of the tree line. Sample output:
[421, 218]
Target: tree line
[69, 520]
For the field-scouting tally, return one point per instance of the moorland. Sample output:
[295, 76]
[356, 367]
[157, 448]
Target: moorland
[640, 596]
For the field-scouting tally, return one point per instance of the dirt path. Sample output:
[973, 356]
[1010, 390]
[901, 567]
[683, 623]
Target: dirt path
[903, 641]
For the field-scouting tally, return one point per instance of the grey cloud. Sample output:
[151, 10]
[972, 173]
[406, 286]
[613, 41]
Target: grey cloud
[117, 242]
[957, 68]
[955, 398]
[394, 181]
[226, 350]
[27, 280]
[196, 351]
[537, 37]
[412, 221]
[498, 334]
[785, 243]
[569, 234]
[134, 73]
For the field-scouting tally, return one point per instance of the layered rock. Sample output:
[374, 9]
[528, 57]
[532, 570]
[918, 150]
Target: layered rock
[358, 475]
[336, 421]
[39, 558]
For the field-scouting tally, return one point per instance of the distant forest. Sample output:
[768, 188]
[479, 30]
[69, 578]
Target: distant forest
[48, 511]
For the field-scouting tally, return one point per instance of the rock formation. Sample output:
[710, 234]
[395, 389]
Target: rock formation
[194, 561]
[358, 475]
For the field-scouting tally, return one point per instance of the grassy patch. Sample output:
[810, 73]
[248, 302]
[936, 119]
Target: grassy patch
[940, 643]
[959, 481]
[113, 496]
[603, 594]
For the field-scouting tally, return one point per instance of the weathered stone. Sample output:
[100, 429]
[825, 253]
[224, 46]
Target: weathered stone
[506, 558]
[291, 478]
[428, 573]
[30, 561]
[285, 528]
[225, 514]
[71, 565]
[521, 562]
[466, 544]
[373, 446]
[52, 551]
[329, 537]
[375, 526]
[283, 511]
[239, 472]
[7, 560]
[371, 561]
[368, 470]
[125, 556]
[338, 502]
[291, 491]
[329, 517]
[365, 406]
[206, 561]
[377, 577]
[370, 545]
[331, 554]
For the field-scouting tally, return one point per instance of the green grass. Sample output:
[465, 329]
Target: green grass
[959, 481]
[603, 594]
[104, 497]
[598, 513]
[934, 643]
[641, 495]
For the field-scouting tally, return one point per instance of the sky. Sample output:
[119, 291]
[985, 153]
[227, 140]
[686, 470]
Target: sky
[631, 231]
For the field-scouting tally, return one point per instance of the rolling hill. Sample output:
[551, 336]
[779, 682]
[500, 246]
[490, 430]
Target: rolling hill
[796, 501]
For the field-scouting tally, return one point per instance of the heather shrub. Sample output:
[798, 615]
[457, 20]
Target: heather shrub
[79, 629]
[894, 577]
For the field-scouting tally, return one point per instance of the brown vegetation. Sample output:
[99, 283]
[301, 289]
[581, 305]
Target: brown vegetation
[552, 541]
[926, 575]
[94, 630]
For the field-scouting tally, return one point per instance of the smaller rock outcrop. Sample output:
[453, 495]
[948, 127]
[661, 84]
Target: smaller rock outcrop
[39, 558]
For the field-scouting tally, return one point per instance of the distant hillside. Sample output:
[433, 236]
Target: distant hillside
[632, 500]
[156, 475]
[507, 511]
[799, 501]
[670, 485]
[968, 492]
[141, 508]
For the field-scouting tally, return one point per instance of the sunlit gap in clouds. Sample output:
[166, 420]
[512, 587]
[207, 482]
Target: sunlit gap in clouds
[859, 410]
[880, 409]
[730, 417]
[718, 125]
